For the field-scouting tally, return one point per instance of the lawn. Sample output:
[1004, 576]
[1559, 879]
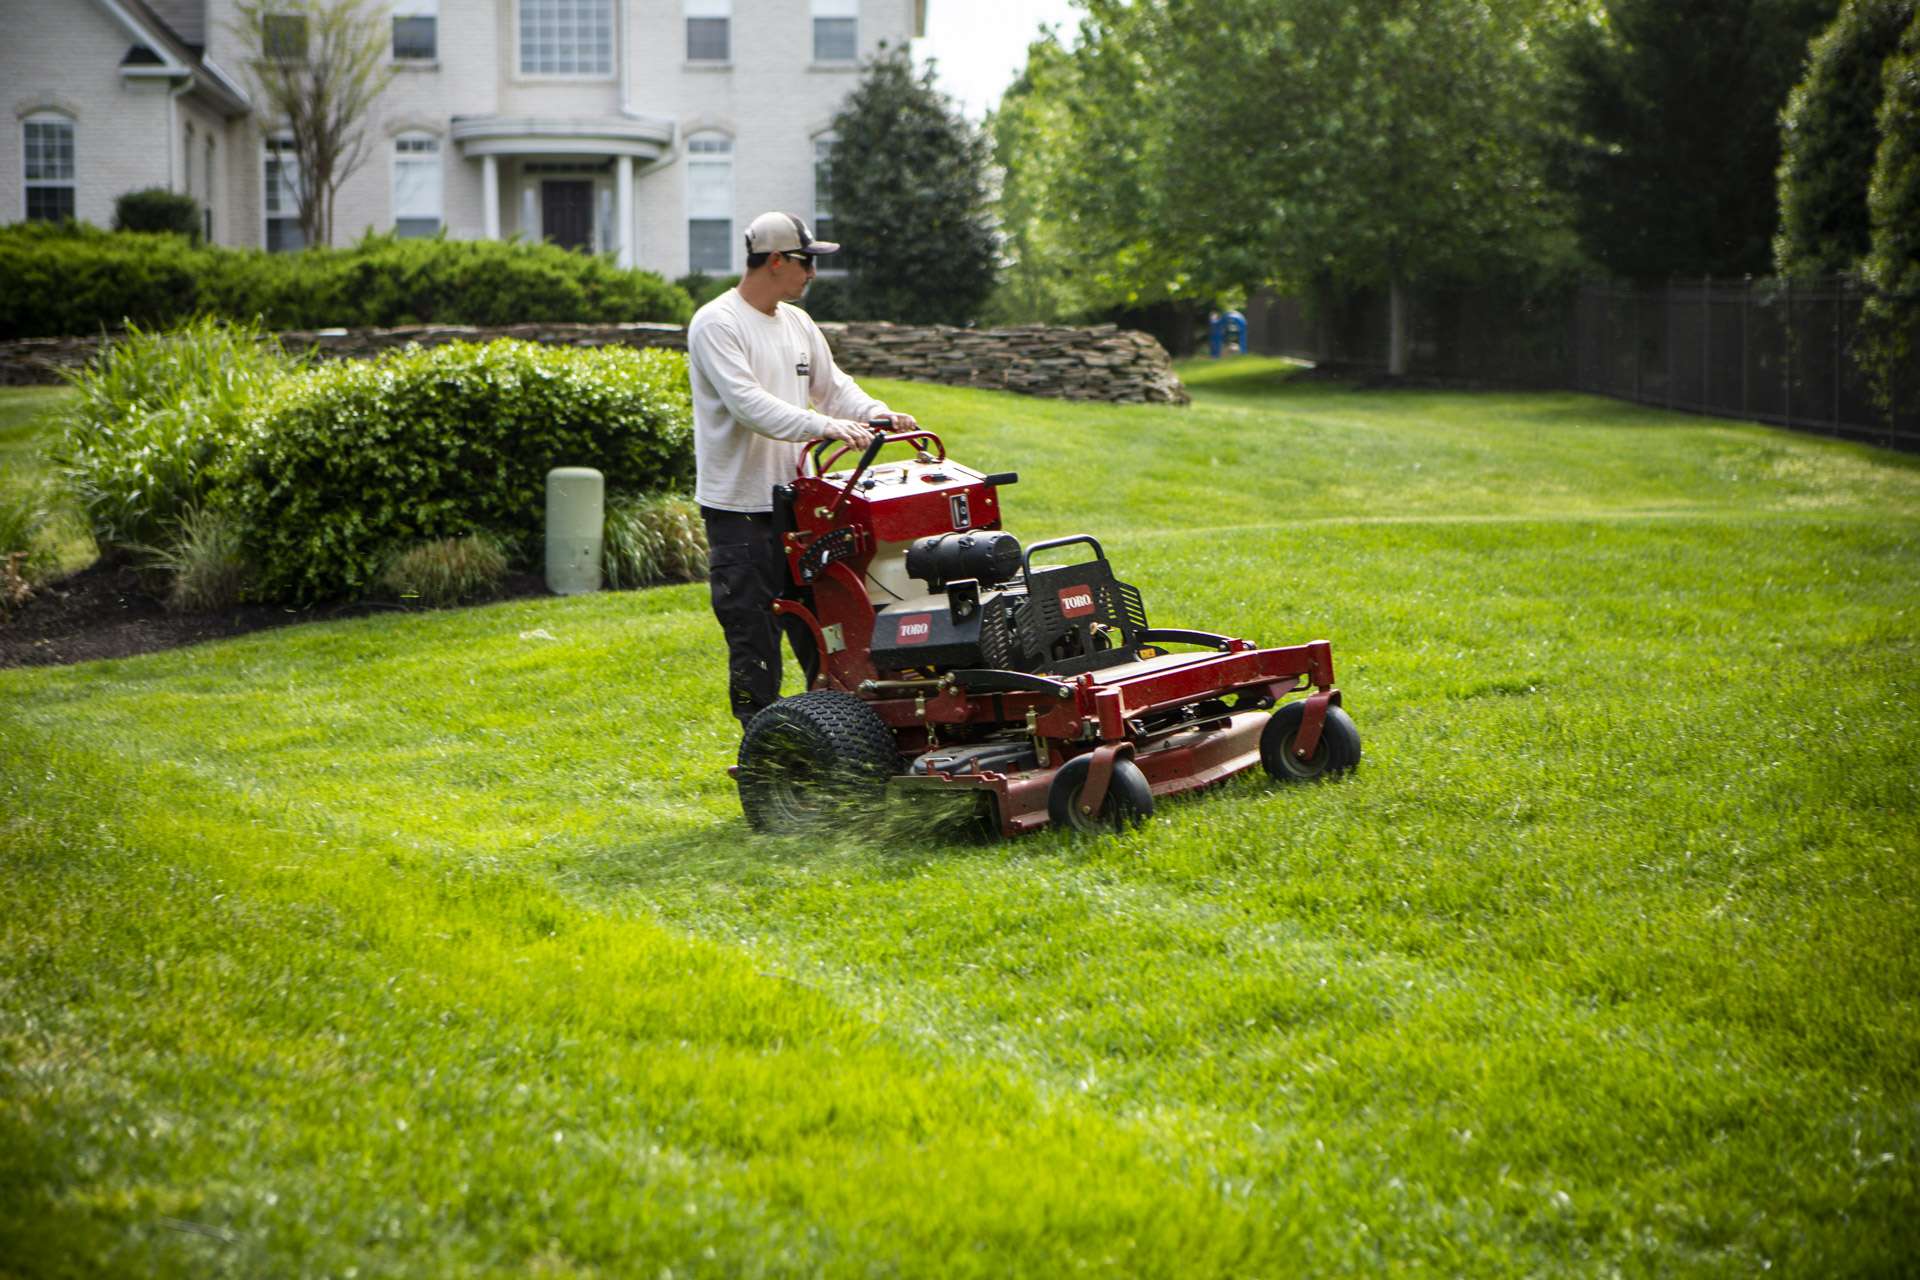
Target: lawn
[434, 944]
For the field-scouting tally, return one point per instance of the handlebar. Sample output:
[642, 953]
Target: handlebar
[816, 461]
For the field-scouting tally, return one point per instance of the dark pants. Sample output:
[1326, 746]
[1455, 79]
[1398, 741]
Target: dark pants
[746, 571]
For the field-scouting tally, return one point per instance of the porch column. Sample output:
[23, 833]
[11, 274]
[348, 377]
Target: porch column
[490, 197]
[623, 212]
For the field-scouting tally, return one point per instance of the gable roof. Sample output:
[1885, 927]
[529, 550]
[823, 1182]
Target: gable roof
[158, 50]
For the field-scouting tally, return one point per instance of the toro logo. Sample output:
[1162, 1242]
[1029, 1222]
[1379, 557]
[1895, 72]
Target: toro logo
[1076, 602]
[915, 629]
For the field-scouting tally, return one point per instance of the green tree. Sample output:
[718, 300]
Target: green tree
[1829, 138]
[1892, 264]
[317, 65]
[1674, 117]
[910, 201]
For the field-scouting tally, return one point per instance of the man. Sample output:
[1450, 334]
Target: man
[764, 388]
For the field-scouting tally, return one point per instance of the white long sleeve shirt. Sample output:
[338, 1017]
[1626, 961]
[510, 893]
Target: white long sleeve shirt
[763, 388]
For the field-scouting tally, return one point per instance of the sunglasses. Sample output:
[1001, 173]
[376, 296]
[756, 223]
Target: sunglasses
[803, 260]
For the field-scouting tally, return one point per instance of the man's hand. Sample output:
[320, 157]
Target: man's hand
[901, 421]
[854, 433]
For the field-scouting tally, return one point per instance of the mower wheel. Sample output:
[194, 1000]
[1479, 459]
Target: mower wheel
[1337, 752]
[1129, 799]
[813, 759]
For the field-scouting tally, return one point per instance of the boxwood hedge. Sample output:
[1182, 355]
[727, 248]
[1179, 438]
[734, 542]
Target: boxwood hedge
[60, 279]
[357, 461]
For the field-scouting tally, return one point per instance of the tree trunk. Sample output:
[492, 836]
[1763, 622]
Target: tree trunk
[1397, 328]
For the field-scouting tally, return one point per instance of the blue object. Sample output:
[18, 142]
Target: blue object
[1216, 332]
[1238, 323]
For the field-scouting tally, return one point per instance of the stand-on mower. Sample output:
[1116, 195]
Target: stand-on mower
[950, 662]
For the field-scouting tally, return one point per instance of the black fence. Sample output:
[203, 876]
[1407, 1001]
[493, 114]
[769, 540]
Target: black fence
[1764, 350]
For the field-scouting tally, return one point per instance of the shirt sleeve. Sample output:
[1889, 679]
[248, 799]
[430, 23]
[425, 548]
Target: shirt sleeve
[722, 358]
[834, 393]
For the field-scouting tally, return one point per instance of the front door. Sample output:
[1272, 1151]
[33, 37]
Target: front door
[566, 213]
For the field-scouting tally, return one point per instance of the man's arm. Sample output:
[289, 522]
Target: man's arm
[722, 359]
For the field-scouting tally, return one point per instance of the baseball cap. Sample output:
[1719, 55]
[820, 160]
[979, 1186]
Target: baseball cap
[784, 233]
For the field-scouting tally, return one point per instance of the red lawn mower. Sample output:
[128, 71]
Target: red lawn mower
[951, 662]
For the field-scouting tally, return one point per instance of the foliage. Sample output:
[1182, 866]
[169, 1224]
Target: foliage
[26, 555]
[703, 288]
[447, 570]
[154, 416]
[158, 209]
[909, 190]
[317, 66]
[1892, 265]
[1673, 112]
[829, 299]
[433, 944]
[1828, 138]
[78, 280]
[362, 459]
[657, 537]
[1178, 152]
[204, 561]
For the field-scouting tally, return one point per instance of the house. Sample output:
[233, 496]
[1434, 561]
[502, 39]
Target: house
[653, 130]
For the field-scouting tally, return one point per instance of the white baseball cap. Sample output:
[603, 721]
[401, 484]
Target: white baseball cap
[784, 233]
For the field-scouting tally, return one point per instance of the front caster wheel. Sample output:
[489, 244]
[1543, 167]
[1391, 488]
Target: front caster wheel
[1129, 799]
[1337, 751]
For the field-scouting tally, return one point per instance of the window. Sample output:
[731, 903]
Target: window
[708, 30]
[416, 34]
[187, 151]
[49, 170]
[836, 30]
[283, 196]
[206, 213]
[710, 203]
[566, 37]
[416, 185]
[283, 36]
[823, 149]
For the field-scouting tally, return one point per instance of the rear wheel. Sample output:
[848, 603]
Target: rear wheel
[813, 759]
[1337, 751]
[1129, 799]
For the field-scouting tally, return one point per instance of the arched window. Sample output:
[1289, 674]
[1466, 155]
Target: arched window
[282, 187]
[48, 146]
[416, 185]
[710, 203]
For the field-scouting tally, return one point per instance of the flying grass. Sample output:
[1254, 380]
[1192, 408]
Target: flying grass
[435, 945]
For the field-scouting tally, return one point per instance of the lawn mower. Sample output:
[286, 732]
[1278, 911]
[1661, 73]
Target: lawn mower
[950, 661]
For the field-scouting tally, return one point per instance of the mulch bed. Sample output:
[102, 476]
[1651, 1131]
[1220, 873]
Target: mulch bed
[109, 610]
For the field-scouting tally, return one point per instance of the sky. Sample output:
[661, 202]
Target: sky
[981, 45]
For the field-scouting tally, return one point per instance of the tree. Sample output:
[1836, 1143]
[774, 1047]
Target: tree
[1892, 265]
[317, 66]
[1188, 150]
[909, 189]
[1673, 111]
[1829, 139]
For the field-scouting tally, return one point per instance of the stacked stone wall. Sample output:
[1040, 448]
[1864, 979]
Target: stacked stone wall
[1098, 362]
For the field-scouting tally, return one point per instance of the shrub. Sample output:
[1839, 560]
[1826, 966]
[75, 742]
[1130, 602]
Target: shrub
[74, 280]
[653, 538]
[703, 288]
[158, 209]
[152, 416]
[205, 562]
[359, 460]
[829, 299]
[447, 570]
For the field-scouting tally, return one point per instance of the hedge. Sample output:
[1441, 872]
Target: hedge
[65, 279]
[357, 461]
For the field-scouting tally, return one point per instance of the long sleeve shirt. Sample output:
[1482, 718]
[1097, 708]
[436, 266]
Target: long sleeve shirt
[763, 388]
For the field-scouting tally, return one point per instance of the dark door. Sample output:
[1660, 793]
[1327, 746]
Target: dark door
[566, 213]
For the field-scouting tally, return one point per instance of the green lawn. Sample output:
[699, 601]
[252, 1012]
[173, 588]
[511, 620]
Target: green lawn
[434, 945]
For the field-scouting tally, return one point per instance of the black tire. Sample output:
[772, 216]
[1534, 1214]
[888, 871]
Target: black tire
[1338, 751]
[1129, 799]
[813, 759]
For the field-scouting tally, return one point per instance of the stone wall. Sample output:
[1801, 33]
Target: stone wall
[1100, 362]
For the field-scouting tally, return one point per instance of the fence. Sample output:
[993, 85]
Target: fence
[1764, 350]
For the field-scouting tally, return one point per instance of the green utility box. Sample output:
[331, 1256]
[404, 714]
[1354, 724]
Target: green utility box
[576, 522]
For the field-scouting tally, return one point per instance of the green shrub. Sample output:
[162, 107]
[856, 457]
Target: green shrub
[205, 562]
[158, 209]
[1893, 199]
[703, 288]
[656, 537]
[829, 299]
[447, 570]
[359, 460]
[152, 417]
[75, 280]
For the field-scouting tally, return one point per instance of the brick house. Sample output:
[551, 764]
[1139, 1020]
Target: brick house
[649, 129]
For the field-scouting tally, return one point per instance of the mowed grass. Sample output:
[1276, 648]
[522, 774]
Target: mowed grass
[435, 945]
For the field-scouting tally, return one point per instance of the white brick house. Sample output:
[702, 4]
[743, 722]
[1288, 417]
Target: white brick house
[651, 129]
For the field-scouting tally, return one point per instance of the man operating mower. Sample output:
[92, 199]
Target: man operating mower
[764, 388]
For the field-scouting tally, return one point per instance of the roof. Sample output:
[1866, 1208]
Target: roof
[160, 50]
